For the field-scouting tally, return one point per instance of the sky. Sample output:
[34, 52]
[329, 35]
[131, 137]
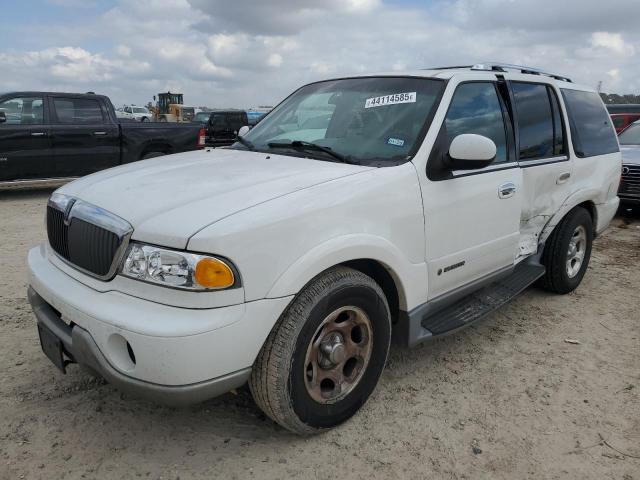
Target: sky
[245, 53]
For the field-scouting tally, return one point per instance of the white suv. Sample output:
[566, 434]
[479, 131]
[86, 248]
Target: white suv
[400, 206]
[140, 114]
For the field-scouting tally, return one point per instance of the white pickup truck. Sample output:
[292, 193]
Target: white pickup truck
[359, 211]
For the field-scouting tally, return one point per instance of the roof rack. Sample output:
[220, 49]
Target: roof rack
[503, 67]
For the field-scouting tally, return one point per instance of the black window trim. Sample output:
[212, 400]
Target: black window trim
[509, 137]
[534, 162]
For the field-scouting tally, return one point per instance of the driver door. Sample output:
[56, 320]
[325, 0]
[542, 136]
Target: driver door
[472, 217]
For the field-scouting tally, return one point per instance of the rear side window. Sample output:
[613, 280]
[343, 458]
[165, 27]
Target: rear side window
[77, 110]
[475, 108]
[536, 130]
[591, 130]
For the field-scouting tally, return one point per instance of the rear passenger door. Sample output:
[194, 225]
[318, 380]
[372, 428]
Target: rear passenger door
[541, 145]
[25, 151]
[83, 139]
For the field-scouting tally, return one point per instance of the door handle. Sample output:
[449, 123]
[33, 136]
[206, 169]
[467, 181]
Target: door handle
[563, 178]
[100, 133]
[507, 190]
[38, 134]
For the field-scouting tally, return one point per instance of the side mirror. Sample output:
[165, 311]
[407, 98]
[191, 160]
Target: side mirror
[243, 131]
[3, 117]
[470, 151]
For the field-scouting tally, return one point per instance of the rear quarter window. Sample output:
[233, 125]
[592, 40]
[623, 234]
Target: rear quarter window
[591, 130]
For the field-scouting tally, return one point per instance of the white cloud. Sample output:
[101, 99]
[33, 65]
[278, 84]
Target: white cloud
[611, 41]
[221, 53]
[123, 51]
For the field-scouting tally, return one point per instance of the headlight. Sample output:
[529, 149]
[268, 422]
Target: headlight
[173, 268]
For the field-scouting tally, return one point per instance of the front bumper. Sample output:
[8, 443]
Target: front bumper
[179, 355]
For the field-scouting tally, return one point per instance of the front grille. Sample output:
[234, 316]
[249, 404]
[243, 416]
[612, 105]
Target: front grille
[91, 239]
[630, 180]
[57, 232]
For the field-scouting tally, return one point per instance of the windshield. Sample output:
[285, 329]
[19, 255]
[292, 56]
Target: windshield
[202, 117]
[139, 110]
[373, 119]
[630, 136]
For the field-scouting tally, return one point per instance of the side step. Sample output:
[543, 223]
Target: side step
[435, 319]
[483, 301]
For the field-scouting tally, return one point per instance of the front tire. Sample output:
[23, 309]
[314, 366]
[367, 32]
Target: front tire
[323, 359]
[567, 252]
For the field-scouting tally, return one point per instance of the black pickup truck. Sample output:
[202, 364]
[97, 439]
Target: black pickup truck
[47, 139]
[221, 126]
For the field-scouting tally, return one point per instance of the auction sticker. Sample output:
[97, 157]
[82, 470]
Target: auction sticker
[392, 99]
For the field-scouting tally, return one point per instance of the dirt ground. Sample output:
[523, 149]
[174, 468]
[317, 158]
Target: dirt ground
[508, 398]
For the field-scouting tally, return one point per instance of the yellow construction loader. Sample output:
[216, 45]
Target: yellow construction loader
[169, 108]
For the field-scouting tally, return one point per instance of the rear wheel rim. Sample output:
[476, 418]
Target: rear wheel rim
[576, 251]
[338, 354]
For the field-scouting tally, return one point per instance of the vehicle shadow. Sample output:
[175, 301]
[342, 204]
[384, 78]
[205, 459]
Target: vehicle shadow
[25, 194]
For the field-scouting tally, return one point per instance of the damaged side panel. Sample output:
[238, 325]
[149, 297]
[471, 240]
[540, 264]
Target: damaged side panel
[546, 187]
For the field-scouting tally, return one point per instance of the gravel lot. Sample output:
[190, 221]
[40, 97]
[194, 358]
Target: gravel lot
[508, 398]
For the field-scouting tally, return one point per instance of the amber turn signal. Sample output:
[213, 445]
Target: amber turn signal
[213, 273]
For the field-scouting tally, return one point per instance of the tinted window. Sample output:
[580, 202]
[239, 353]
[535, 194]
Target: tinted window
[535, 120]
[22, 111]
[631, 136]
[591, 130]
[475, 108]
[77, 110]
[558, 125]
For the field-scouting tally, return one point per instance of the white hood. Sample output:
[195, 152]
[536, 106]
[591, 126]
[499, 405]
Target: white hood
[630, 154]
[168, 199]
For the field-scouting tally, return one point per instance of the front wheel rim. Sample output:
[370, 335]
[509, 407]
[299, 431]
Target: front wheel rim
[338, 354]
[576, 251]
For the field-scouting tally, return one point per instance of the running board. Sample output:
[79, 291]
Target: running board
[429, 321]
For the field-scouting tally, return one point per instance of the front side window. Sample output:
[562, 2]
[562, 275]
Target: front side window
[77, 110]
[631, 136]
[591, 130]
[475, 108]
[23, 111]
[372, 119]
[535, 120]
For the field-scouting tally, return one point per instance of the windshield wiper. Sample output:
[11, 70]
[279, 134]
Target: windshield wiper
[302, 145]
[246, 143]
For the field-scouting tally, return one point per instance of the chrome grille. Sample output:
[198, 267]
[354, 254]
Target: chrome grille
[85, 236]
[630, 184]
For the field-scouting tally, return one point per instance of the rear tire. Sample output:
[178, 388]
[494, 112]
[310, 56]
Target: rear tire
[323, 358]
[567, 252]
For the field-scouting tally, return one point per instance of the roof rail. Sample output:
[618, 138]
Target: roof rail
[503, 67]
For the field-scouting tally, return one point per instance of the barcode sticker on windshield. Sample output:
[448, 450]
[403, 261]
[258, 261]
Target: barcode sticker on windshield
[394, 98]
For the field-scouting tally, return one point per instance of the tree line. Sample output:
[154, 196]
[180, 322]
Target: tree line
[609, 98]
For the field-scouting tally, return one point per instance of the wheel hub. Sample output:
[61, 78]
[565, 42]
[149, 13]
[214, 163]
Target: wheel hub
[332, 350]
[338, 354]
[576, 251]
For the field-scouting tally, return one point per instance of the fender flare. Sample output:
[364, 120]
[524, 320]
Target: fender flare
[569, 204]
[347, 248]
